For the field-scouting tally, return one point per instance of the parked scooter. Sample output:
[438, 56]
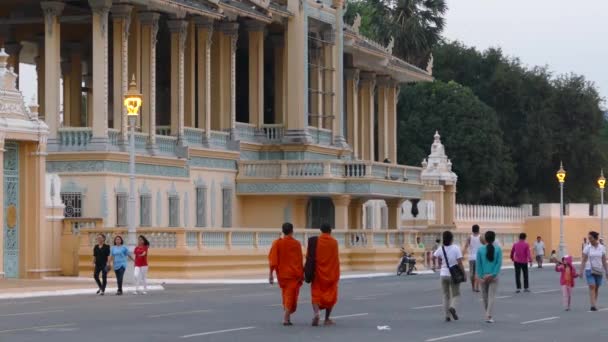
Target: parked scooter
[407, 264]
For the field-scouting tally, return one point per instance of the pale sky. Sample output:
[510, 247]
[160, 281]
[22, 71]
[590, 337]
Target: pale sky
[566, 35]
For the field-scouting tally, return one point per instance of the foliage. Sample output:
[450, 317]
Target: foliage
[469, 130]
[416, 25]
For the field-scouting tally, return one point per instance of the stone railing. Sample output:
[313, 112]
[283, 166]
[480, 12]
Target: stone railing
[166, 144]
[277, 169]
[248, 239]
[194, 135]
[75, 137]
[246, 132]
[505, 240]
[320, 136]
[163, 130]
[114, 136]
[219, 139]
[483, 213]
[273, 132]
[74, 225]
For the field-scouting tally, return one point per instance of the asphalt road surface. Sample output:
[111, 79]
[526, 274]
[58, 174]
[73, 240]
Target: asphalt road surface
[405, 308]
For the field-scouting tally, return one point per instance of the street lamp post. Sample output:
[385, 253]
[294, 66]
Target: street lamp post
[132, 103]
[561, 178]
[601, 182]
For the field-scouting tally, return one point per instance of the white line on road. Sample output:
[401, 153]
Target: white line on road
[38, 327]
[541, 320]
[208, 290]
[427, 307]
[159, 302]
[503, 297]
[21, 303]
[30, 313]
[454, 335]
[178, 313]
[217, 332]
[547, 291]
[353, 315]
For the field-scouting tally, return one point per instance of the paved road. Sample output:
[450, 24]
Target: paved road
[408, 305]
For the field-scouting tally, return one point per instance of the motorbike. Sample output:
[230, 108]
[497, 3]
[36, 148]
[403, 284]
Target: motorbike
[407, 264]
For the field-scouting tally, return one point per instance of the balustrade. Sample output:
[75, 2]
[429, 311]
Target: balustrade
[75, 137]
[194, 135]
[480, 213]
[246, 132]
[273, 132]
[219, 139]
[163, 130]
[166, 144]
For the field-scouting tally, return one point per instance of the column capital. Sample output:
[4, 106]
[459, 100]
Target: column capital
[177, 26]
[121, 12]
[100, 6]
[204, 22]
[384, 81]
[252, 25]
[351, 74]
[148, 18]
[366, 76]
[341, 200]
[229, 28]
[51, 9]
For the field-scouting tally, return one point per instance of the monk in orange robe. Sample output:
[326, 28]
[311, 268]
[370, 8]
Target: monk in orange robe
[286, 260]
[326, 277]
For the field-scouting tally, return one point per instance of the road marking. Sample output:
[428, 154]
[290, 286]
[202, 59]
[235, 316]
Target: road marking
[541, 320]
[209, 290]
[547, 291]
[427, 307]
[503, 297]
[159, 302]
[217, 332]
[30, 313]
[275, 305]
[454, 335]
[21, 303]
[38, 327]
[353, 315]
[178, 313]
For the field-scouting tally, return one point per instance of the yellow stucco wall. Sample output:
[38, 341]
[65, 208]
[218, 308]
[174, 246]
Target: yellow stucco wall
[575, 229]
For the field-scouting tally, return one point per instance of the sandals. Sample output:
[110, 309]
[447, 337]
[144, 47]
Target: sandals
[287, 324]
[329, 322]
[315, 321]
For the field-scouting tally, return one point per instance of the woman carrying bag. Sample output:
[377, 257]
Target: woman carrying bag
[451, 274]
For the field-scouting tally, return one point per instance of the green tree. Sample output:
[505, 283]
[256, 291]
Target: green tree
[469, 130]
[415, 25]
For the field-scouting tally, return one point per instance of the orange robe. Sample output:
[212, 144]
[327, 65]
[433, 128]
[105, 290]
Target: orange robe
[327, 273]
[286, 259]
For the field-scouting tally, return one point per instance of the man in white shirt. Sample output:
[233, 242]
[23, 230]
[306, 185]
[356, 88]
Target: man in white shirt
[472, 245]
[539, 251]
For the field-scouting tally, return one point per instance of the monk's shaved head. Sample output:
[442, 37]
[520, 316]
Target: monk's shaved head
[325, 228]
[287, 228]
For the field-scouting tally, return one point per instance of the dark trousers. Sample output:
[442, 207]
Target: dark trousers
[519, 268]
[119, 276]
[104, 277]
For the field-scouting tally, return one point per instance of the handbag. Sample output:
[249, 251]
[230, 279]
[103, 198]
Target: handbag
[455, 271]
[309, 266]
[597, 271]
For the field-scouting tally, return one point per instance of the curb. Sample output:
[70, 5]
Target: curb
[71, 292]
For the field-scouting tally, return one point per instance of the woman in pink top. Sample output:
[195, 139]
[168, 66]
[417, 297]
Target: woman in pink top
[566, 279]
[520, 255]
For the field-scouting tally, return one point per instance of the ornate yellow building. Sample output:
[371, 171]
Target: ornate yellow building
[254, 112]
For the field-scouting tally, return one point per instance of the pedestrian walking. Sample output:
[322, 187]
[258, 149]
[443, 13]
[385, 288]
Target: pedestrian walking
[324, 287]
[101, 253]
[472, 246]
[566, 279]
[448, 256]
[286, 260]
[594, 266]
[141, 264]
[553, 257]
[539, 251]
[489, 264]
[119, 254]
[520, 255]
[435, 248]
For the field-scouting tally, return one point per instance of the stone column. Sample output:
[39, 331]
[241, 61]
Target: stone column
[2, 201]
[66, 75]
[149, 29]
[278, 44]
[88, 83]
[352, 109]
[341, 210]
[316, 111]
[100, 29]
[255, 30]
[296, 49]
[300, 212]
[75, 55]
[228, 40]
[190, 77]
[329, 86]
[355, 210]
[384, 86]
[179, 31]
[13, 49]
[52, 64]
[394, 212]
[366, 106]
[121, 18]
[204, 27]
[338, 122]
[393, 98]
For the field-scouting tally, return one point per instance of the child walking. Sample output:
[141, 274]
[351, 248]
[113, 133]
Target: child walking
[568, 273]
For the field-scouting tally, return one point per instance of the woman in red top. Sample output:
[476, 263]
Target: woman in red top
[141, 264]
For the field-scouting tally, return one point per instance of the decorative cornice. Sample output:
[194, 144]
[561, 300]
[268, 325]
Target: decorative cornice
[51, 10]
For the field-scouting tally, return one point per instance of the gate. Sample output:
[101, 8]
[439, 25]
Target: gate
[11, 210]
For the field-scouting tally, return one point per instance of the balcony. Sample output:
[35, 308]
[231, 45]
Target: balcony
[328, 177]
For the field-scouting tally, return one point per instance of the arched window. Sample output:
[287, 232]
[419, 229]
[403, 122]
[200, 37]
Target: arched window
[320, 210]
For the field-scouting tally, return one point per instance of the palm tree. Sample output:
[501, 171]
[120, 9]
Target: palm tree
[416, 25]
